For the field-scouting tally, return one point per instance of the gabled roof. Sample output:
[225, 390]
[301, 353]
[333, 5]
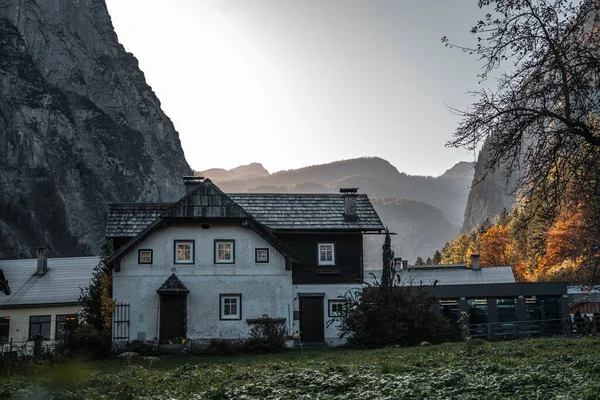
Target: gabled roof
[59, 285]
[129, 219]
[308, 211]
[206, 203]
[173, 285]
[278, 212]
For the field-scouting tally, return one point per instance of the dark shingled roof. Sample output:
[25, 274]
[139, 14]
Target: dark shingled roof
[281, 211]
[173, 285]
[129, 219]
[277, 211]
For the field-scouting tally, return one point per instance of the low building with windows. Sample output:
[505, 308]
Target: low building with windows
[488, 302]
[44, 296]
[210, 264]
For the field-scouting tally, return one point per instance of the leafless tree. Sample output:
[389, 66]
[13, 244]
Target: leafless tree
[540, 125]
[542, 118]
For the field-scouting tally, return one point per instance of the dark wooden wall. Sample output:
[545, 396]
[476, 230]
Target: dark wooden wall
[348, 257]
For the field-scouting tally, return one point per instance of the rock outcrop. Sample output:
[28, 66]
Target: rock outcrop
[490, 193]
[79, 128]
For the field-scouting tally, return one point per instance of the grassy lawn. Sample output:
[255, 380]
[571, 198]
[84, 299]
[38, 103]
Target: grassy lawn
[524, 369]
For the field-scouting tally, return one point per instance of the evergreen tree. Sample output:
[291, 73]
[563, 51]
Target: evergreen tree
[437, 258]
[388, 274]
[419, 261]
[429, 261]
[93, 311]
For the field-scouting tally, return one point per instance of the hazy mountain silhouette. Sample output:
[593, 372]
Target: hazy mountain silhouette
[249, 171]
[425, 211]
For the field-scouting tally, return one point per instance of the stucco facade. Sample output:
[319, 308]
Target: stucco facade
[20, 317]
[264, 288]
[328, 293]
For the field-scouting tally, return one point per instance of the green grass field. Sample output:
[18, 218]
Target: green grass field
[524, 369]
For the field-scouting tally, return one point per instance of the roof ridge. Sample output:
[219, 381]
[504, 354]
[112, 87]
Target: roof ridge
[23, 260]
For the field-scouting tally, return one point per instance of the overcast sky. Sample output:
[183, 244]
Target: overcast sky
[291, 83]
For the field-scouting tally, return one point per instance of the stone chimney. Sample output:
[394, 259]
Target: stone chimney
[350, 195]
[191, 183]
[475, 266]
[42, 260]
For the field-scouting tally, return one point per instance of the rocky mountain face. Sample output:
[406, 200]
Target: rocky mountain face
[424, 211]
[489, 194]
[79, 128]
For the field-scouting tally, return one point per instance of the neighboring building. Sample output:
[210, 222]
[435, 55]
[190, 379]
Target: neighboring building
[448, 274]
[44, 295]
[488, 301]
[204, 267]
[584, 298]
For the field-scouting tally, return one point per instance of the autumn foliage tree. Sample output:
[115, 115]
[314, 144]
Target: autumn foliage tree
[540, 125]
[496, 247]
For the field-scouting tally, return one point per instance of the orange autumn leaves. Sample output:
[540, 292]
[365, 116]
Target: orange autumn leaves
[555, 250]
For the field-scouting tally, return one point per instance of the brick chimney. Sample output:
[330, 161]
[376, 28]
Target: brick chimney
[42, 260]
[350, 195]
[191, 183]
[475, 266]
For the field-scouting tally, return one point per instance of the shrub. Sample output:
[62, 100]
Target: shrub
[389, 313]
[385, 316]
[268, 335]
[87, 341]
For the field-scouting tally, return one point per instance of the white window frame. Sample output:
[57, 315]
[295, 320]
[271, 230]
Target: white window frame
[177, 243]
[145, 251]
[265, 251]
[331, 303]
[231, 244]
[223, 298]
[326, 262]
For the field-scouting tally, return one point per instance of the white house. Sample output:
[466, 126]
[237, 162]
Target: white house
[44, 296]
[207, 266]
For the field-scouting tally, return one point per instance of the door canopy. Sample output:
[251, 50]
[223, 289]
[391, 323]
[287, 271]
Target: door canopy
[173, 286]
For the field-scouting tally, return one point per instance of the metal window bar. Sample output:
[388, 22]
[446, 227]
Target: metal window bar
[534, 328]
[121, 322]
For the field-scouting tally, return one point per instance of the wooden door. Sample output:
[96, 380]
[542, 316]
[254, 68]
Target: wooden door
[172, 317]
[312, 324]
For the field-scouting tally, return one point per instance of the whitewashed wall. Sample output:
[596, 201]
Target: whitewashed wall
[265, 288]
[331, 292]
[19, 319]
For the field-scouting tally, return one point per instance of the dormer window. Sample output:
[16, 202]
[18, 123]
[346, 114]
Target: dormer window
[326, 253]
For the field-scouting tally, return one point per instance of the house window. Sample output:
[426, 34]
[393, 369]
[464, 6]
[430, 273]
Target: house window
[262, 255]
[231, 306]
[224, 251]
[336, 307]
[65, 324]
[184, 252]
[145, 256]
[326, 254]
[4, 329]
[39, 325]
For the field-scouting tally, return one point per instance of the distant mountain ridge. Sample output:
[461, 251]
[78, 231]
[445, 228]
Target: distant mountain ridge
[424, 211]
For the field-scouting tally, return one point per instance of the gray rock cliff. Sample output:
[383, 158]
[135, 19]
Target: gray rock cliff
[489, 194]
[79, 128]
